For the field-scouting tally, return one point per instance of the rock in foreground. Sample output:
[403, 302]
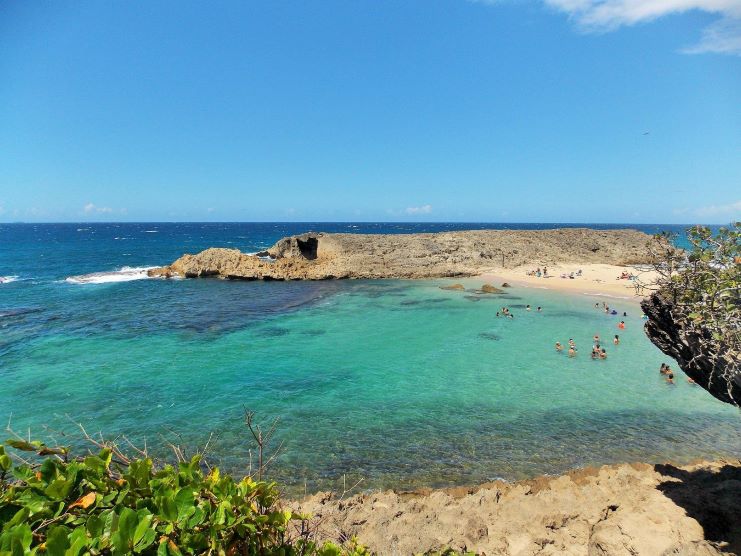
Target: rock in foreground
[621, 510]
[320, 256]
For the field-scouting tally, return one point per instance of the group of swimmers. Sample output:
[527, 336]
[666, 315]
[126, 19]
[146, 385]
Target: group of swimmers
[505, 312]
[669, 374]
[598, 352]
[607, 309]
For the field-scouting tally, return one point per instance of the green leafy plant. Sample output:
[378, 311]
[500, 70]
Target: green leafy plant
[101, 503]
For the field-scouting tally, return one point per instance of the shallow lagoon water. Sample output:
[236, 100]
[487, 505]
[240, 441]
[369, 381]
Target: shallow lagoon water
[400, 383]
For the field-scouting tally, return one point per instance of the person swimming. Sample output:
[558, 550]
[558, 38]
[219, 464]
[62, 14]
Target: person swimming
[527, 308]
[540, 309]
[559, 347]
[497, 313]
[670, 378]
[621, 326]
[572, 351]
[596, 338]
[603, 354]
[616, 339]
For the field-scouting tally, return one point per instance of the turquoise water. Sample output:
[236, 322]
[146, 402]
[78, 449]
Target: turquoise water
[400, 383]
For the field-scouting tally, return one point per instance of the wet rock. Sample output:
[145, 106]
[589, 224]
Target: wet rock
[457, 287]
[488, 288]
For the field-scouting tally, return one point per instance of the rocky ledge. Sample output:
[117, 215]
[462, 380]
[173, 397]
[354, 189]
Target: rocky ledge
[698, 354]
[621, 510]
[320, 256]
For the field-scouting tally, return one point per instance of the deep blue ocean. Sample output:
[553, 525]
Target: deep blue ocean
[398, 382]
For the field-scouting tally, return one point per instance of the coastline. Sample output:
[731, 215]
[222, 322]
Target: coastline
[629, 508]
[596, 279]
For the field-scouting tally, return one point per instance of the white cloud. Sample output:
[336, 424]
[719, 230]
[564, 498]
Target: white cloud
[722, 36]
[424, 209]
[720, 210]
[90, 208]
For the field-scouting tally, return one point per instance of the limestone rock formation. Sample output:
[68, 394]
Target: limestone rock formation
[454, 287]
[693, 349]
[625, 510]
[488, 288]
[319, 256]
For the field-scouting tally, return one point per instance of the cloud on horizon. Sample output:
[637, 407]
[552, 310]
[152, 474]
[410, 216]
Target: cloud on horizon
[730, 209]
[90, 208]
[424, 209]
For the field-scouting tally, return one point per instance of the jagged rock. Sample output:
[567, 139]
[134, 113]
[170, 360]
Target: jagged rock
[319, 256]
[488, 288]
[457, 287]
[693, 349]
[506, 285]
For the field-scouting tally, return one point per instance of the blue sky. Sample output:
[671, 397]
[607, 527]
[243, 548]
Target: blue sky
[434, 110]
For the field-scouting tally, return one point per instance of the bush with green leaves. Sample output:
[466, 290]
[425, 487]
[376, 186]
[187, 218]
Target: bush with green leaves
[98, 504]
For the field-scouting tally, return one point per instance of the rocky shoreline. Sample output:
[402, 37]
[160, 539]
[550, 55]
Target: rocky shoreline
[322, 256]
[622, 509]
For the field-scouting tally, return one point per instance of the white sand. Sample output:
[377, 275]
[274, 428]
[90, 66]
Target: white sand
[595, 279]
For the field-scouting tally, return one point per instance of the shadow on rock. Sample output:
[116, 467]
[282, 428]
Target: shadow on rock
[711, 497]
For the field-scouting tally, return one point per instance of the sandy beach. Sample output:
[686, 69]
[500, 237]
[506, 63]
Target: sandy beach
[595, 279]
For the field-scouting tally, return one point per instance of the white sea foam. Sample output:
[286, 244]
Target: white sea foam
[607, 295]
[8, 279]
[151, 231]
[124, 274]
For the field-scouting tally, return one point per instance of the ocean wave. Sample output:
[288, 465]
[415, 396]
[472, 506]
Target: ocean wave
[8, 279]
[124, 274]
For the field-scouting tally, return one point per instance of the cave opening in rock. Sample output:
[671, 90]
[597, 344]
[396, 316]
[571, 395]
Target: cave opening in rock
[308, 247]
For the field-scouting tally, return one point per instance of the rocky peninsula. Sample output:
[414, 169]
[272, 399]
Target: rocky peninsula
[321, 256]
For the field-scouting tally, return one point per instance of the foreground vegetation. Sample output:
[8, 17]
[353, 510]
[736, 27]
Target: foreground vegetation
[107, 503]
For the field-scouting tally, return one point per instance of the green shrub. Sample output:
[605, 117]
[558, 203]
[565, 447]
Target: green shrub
[100, 505]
